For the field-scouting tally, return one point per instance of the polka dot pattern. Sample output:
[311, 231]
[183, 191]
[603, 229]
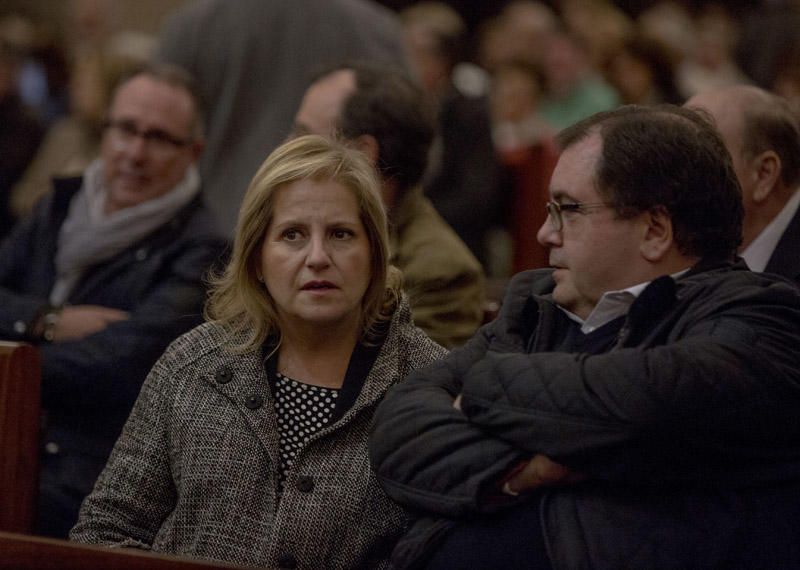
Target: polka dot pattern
[302, 410]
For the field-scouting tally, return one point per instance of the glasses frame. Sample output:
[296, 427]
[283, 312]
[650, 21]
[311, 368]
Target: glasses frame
[555, 210]
[126, 132]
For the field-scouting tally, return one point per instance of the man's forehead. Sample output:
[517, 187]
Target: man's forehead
[323, 101]
[156, 102]
[573, 176]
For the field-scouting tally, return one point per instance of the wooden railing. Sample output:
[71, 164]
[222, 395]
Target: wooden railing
[20, 385]
[19, 552]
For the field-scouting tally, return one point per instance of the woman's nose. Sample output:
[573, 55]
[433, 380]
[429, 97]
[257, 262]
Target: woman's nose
[318, 255]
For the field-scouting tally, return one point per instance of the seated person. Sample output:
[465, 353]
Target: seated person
[762, 134]
[633, 407]
[104, 274]
[381, 112]
[248, 443]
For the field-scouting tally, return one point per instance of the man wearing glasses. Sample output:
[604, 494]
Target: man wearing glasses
[104, 274]
[632, 407]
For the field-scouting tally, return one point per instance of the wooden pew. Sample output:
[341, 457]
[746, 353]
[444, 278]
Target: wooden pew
[20, 552]
[20, 385]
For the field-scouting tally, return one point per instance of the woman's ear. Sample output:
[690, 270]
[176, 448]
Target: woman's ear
[658, 238]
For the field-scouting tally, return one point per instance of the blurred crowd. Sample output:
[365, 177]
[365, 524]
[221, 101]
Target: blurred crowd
[500, 89]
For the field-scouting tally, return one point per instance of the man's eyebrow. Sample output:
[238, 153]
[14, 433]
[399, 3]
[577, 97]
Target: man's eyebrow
[559, 195]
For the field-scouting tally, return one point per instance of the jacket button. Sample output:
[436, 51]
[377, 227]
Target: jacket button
[140, 254]
[287, 561]
[20, 327]
[223, 375]
[305, 484]
[52, 448]
[254, 402]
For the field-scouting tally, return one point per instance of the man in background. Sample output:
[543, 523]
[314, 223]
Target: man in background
[252, 60]
[107, 271]
[763, 136]
[383, 113]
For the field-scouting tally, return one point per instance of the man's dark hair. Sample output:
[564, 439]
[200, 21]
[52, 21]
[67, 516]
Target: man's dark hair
[670, 158]
[388, 105]
[769, 123]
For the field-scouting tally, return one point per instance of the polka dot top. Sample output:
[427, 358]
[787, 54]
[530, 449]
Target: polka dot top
[302, 410]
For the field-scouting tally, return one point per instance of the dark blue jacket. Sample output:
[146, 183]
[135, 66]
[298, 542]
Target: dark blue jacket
[89, 385]
[687, 429]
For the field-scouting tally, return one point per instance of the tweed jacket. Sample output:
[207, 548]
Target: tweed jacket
[195, 471]
[444, 281]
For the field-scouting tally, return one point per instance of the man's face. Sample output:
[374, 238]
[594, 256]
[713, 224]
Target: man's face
[595, 251]
[322, 103]
[148, 145]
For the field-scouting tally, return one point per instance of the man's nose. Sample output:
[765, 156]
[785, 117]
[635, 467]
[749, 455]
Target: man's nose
[548, 235]
[136, 148]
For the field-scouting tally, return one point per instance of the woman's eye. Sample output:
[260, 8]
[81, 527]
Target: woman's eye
[342, 234]
[291, 235]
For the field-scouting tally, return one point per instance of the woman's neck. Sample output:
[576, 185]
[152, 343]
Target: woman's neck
[320, 360]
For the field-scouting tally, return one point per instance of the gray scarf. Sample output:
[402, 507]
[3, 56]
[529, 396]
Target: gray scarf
[90, 236]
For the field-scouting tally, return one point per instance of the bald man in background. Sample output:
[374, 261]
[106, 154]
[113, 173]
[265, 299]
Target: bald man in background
[763, 136]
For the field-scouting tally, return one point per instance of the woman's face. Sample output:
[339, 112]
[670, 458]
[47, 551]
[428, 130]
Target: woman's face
[315, 258]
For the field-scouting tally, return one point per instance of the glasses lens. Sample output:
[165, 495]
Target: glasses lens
[555, 215]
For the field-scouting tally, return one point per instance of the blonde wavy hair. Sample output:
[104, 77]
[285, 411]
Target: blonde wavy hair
[239, 302]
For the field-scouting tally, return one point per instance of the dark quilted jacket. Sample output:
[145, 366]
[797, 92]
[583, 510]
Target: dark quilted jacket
[687, 429]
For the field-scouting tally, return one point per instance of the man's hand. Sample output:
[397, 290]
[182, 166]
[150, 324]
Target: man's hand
[539, 472]
[79, 321]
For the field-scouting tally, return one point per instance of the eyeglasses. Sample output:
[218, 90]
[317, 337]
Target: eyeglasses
[556, 211]
[158, 141]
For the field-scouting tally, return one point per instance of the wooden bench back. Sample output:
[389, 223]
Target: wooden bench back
[20, 552]
[20, 386]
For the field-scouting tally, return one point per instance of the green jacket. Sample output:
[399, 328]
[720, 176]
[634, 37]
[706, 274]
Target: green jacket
[441, 277]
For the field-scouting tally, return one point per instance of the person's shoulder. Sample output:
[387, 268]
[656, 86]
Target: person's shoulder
[411, 338]
[428, 245]
[530, 282]
[207, 339]
[734, 285]
[195, 225]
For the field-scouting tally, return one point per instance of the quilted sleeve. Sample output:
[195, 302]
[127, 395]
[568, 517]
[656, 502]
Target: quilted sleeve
[718, 403]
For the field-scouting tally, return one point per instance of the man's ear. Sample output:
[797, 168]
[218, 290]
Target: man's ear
[369, 146]
[657, 238]
[767, 170]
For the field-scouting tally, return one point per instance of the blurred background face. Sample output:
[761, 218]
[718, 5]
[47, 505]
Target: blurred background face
[631, 76]
[514, 95]
[139, 168]
[315, 258]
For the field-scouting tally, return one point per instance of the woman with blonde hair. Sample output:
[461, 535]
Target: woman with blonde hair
[248, 441]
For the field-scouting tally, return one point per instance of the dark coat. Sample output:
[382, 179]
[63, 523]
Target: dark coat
[687, 429]
[89, 386]
[785, 258]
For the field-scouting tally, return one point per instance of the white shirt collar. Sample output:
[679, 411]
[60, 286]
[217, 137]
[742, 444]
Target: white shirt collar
[611, 305]
[759, 251]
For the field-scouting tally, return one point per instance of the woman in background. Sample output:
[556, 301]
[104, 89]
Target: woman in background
[248, 441]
